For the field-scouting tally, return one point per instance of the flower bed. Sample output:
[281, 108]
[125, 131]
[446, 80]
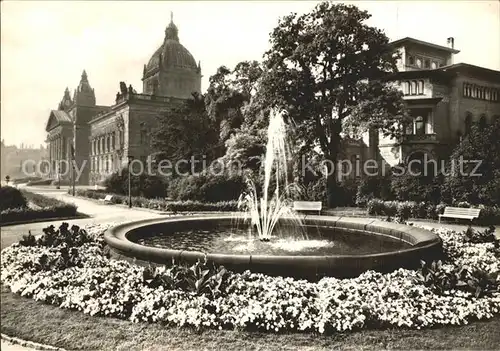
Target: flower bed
[45, 207]
[412, 209]
[70, 268]
[161, 204]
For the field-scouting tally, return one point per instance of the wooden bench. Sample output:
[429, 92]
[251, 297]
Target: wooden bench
[307, 206]
[107, 199]
[459, 212]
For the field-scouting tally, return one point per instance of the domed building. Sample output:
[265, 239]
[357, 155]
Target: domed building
[172, 70]
[101, 139]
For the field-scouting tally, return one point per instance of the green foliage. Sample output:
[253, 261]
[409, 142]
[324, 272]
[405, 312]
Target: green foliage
[411, 187]
[373, 187]
[185, 132]
[413, 209]
[145, 185]
[326, 68]
[442, 279]
[15, 215]
[482, 143]
[162, 204]
[11, 198]
[199, 278]
[208, 188]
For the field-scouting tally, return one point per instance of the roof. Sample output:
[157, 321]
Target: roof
[60, 117]
[408, 40]
[449, 72]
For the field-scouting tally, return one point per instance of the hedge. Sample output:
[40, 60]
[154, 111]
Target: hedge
[161, 204]
[411, 209]
[48, 208]
[28, 214]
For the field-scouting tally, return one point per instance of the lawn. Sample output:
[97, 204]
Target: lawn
[27, 319]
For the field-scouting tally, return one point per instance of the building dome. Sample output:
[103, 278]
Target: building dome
[172, 54]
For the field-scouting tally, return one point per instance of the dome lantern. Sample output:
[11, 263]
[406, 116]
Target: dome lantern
[171, 32]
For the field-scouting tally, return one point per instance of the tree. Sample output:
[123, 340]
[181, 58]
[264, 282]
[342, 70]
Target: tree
[185, 132]
[229, 91]
[481, 148]
[327, 69]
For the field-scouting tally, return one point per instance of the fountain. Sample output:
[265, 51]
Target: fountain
[264, 214]
[273, 239]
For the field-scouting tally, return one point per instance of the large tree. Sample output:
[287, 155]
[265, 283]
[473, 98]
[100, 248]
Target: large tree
[228, 93]
[327, 68]
[186, 131]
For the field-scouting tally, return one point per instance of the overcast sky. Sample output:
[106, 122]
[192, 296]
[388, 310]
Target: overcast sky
[46, 45]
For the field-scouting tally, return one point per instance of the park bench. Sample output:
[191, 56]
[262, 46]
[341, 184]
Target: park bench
[107, 199]
[307, 206]
[461, 213]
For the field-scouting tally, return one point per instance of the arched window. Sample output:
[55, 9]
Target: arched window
[420, 87]
[487, 94]
[468, 123]
[420, 125]
[419, 62]
[411, 60]
[434, 65]
[427, 63]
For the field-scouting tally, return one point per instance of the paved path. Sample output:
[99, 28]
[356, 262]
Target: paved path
[7, 346]
[98, 212]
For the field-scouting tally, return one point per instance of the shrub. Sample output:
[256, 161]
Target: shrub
[11, 198]
[412, 209]
[373, 187]
[145, 185]
[28, 214]
[209, 188]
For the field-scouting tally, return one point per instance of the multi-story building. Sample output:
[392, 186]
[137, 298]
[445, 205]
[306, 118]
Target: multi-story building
[104, 137]
[443, 98]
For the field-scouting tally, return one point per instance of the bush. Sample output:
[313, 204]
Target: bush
[11, 198]
[28, 214]
[373, 187]
[209, 188]
[412, 209]
[161, 204]
[409, 187]
[148, 186]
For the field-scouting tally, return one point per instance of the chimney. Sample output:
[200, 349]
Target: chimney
[451, 42]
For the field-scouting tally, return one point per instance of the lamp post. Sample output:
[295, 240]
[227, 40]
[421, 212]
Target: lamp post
[130, 158]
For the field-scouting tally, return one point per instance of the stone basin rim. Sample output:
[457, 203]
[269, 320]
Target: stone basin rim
[117, 237]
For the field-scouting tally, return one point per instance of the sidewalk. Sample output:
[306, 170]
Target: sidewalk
[99, 213]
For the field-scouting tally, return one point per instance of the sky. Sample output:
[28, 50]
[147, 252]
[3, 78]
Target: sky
[45, 45]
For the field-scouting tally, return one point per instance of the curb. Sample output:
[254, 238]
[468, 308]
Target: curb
[30, 344]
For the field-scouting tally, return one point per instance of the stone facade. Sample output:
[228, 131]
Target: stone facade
[443, 98]
[104, 137]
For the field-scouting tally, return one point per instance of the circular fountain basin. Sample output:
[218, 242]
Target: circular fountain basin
[345, 247]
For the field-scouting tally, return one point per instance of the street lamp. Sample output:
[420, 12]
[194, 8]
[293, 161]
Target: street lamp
[130, 158]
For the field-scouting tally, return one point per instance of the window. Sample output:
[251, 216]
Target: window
[406, 88]
[419, 62]
[413, 89]
[420, 125]
[421, 87]
[427, 63]
[411, 60]
[434, 65]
